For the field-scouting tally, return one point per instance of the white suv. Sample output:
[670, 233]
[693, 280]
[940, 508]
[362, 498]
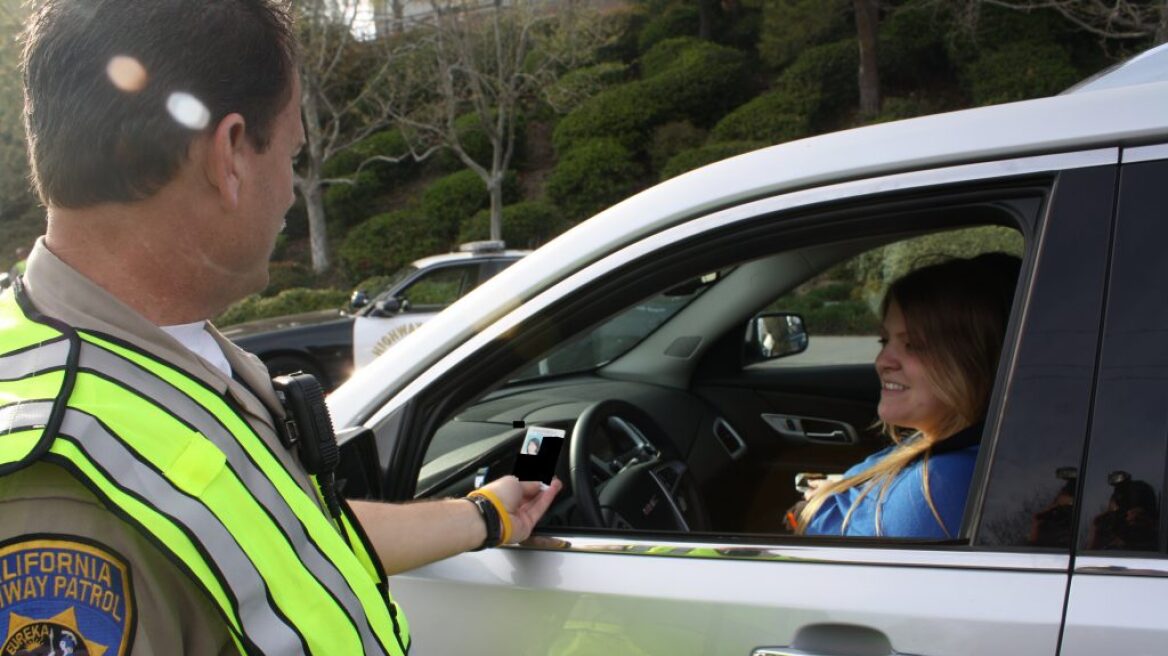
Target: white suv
[631, 333]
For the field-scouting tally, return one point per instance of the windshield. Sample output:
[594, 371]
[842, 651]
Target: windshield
[619, 334]
[375, 288]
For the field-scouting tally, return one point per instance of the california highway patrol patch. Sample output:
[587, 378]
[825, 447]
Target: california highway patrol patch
[62, 595]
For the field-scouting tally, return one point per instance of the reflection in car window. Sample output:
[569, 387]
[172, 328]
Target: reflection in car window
[614, 337]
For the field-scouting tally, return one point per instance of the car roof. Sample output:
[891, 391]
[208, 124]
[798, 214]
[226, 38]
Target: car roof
[445, 258]
[1096, 116]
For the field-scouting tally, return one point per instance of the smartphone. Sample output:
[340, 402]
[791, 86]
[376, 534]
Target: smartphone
[539, 453]
[802, 479]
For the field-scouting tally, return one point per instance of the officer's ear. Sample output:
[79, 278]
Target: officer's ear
[225, 161]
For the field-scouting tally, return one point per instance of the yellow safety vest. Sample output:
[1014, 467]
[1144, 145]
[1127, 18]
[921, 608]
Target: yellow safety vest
[177, 461]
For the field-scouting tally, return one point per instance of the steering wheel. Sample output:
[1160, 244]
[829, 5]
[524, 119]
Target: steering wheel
[644, 488]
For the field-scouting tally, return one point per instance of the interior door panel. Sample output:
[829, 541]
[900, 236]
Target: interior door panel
[825, 399]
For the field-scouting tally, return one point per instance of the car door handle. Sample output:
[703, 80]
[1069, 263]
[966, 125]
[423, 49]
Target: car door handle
[834, 640]
[811, 429]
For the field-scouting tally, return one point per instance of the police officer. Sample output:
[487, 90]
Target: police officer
[147, 503]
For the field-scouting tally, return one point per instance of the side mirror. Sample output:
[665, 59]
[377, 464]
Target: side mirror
[774, 335]
[359, 299]
[391, 306]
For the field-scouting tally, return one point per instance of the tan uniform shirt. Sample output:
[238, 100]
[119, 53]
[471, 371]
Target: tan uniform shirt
[173, 614]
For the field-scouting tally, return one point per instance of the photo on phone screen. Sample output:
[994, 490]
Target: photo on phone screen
[538, 454]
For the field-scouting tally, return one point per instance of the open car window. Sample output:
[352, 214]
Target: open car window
[724, 441]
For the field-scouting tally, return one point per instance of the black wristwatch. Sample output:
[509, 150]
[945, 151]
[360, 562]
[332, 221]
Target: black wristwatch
[490, 519]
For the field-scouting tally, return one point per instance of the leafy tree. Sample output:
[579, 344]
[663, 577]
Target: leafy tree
[487, 60]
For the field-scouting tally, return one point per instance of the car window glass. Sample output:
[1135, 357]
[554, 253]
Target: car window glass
[439, 288]
[840, 306]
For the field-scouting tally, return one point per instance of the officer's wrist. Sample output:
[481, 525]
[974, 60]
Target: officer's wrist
[492, 524]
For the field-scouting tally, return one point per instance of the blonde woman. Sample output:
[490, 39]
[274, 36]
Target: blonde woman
[941, 337]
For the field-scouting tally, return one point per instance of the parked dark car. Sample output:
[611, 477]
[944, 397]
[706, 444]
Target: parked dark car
[322, 343]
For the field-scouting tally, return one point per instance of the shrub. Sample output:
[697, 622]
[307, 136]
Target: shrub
[289, 301]
[675, 21]
[450, 200]
[386, 242]
[286, 275]
[823, 79]
[387, 143]
[771, 118]
[698, 157]
[912, 43]
[622, 113]
[476, 143]
[346, 205]
[703, 81]
[895, 109]
[525, 225]
[592, 176]
[672, 138]
[1019, 71]
[583, 83]
[789, 27]
[665, 54]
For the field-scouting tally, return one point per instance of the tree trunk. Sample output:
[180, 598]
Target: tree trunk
[309, 181]
[1162, 28]
[867, 18]
[496, 190]
[705, 18]
[318, 233]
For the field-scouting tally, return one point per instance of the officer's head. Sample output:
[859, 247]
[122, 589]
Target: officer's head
[116, 91]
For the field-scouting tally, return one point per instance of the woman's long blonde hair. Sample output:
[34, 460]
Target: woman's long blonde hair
[955, 313]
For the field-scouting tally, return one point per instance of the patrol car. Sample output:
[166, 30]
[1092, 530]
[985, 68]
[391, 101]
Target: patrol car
[685, 437]
[329, 343]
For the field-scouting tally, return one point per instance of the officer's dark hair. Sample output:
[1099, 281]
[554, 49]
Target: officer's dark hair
[91, 141]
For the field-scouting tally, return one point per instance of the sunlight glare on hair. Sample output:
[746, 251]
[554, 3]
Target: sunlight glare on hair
[126, 73]
[188, 110]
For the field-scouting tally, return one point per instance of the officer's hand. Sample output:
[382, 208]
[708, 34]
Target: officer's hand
[526, 502]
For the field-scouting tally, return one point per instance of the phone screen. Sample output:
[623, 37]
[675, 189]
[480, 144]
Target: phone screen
[538, 454]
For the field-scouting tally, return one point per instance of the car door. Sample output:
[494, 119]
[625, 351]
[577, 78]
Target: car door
[998, 588]
[1120, 583]
[419, 299]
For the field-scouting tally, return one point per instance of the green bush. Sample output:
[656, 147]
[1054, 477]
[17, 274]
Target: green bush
[581, 84]
[677, 20]
[895, 109]
[451, 200]
[912, 44]
[289, 301]
[387, 143]
[807, 96]
[703, 82]
[622, 113]
[525, 225]
[287, 275]
[770, 118]
[823, 79]
[346, 205]
[672, 138]
[876, 269]
[1018, 71]
[477, 144]
[664, 55]
[592, 176]
[790, 27]
[831, 309]
[698, 157]
[386, 242]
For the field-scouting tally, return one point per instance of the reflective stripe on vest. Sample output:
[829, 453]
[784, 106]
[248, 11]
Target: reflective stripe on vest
[211, 494]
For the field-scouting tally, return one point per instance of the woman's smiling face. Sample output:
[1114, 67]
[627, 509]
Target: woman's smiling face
[907, 397]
